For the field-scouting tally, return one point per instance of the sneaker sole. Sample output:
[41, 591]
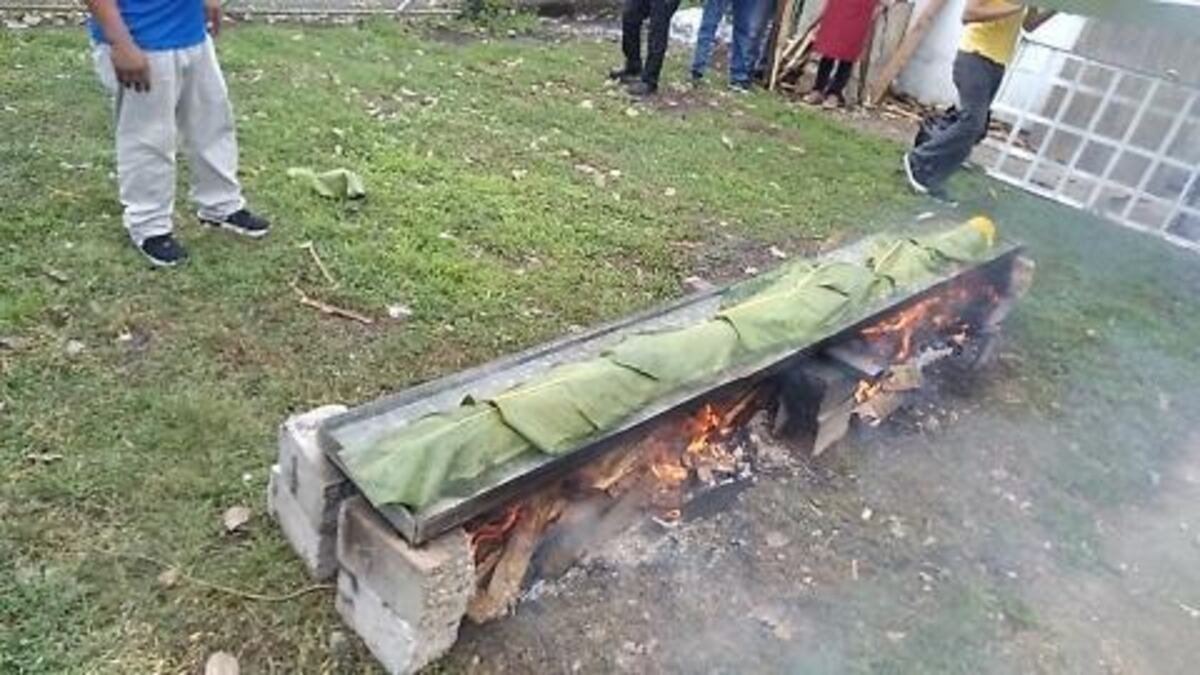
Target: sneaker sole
[253, 234]
[912, 180]
[158, 262]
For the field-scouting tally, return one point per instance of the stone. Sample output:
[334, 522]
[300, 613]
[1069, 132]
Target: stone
[315, 547]
[385, 583]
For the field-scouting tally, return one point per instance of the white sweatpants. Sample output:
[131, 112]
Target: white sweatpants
[187, 95]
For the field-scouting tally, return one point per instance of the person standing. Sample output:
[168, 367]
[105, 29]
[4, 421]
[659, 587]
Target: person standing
[157, 60]
[706, 37]
[750, 21]
[841, 36]
[642, 78]
[988, 43]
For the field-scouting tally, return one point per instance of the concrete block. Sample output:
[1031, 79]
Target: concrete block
[426, 588]
[314, 483]
[315, 546]
[389, 638]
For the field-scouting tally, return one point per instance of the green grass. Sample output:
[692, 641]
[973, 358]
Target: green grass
[477, 218]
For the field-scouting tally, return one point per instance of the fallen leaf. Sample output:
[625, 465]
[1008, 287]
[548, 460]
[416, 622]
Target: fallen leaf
[669, 192]
[587, 104]
[778, 252]
[895, 635]
[222, 663]
[750, 270]
[399, 311]
[631, 112]
[797, 149]
[14, 343]
[518, 174]
[777, 540]
[867, 513]
[235, 517]
[74, 348]
[168, 577]
[727, 141]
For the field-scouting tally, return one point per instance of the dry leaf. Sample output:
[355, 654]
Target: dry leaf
[518, 174]
[74, 348]
[669, 192]
[222, 663]
[235, 517]
[399, 311]
[631, 112]
[587, 104]
[169, 577]
[727, 141]
[777, 252]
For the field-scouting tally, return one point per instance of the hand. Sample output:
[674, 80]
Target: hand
[131, 66]
[212, 16]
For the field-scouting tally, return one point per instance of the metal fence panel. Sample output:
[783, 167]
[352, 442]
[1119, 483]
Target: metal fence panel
[1103, 137]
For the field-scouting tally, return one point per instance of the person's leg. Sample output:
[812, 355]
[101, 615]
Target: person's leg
[145, 139]
[632, 18]
[824, 70]
[206, 121]
[741, 51]
[839, 78]
[976, 79]
[764, 14]
[706, 36]
[661, 12]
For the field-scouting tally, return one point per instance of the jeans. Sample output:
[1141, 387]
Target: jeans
[634, 15]
[706, 37]
[750, 18]
[977, 80]
[187, 97]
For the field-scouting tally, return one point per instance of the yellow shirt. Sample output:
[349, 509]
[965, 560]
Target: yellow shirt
[995, 40]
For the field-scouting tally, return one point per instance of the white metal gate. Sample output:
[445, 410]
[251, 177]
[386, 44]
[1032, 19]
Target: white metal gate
[1101, 137]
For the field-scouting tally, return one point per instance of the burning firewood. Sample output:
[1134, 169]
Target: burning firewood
[504, 586]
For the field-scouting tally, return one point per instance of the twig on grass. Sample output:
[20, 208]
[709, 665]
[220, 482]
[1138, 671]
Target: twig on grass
[332, 310]
[312, 252]
[213, 586]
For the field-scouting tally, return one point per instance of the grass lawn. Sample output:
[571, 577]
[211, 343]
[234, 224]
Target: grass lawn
[511, 196]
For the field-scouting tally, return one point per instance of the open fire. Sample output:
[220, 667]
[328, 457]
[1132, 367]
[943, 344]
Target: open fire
[688, 459]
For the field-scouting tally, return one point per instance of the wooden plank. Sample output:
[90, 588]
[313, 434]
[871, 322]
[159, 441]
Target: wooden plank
[783, 28]
[912, 40]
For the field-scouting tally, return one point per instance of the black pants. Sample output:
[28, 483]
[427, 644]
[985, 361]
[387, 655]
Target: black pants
[636, 12]
[978, 80]
[832, 76]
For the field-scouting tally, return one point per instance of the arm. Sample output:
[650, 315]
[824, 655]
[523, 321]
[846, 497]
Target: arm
[1037, 17]
[212, 16]
[981, 11]
[129, 61]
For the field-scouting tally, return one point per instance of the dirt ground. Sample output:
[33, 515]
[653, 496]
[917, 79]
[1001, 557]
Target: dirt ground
[910, 548]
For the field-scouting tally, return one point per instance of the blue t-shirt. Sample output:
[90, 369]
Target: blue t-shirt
[160, 24]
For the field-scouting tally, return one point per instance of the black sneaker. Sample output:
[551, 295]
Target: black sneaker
[739, 87]
[697, 78]
[244, 223]
[163, 251]
[641, 88]
[624, 75]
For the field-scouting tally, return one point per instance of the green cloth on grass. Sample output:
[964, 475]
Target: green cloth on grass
[333, 184]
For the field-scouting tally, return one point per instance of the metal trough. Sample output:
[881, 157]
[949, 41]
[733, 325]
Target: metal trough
[517, 478]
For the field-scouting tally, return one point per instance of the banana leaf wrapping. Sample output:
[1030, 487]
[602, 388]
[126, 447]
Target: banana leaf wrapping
[557, 411]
